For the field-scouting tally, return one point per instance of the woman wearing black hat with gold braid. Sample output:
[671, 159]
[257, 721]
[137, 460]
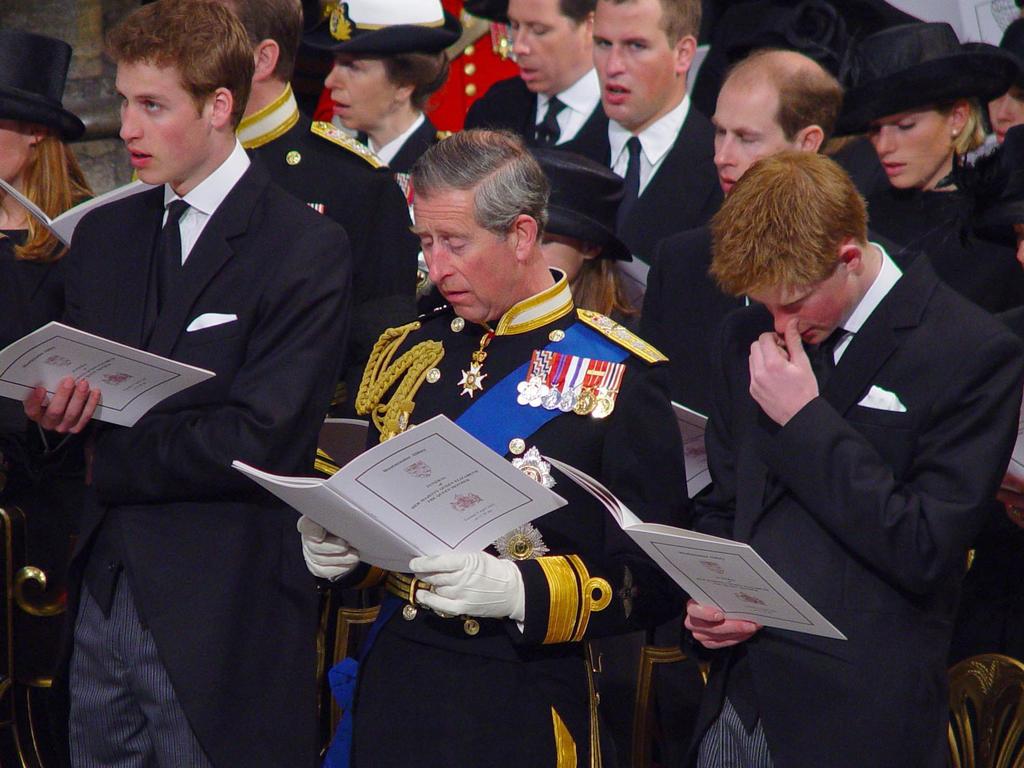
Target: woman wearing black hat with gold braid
[915, 91]
[36, 476]
[389, 58]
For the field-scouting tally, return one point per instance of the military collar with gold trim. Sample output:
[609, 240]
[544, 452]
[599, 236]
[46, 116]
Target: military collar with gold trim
[271, 122]
[538, 310]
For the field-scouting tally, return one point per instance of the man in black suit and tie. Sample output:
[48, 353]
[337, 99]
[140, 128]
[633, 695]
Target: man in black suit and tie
[770, 102]
[556, 100]
[859, 467]
[660, 145]
[194, 620]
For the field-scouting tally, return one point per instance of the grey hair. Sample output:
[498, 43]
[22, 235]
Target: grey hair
[505, 179]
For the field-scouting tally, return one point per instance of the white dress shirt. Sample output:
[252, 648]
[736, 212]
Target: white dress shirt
[388, 151]
[655, 142]
[580, 99]
[206, 197]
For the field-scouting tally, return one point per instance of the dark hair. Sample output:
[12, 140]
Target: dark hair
[202, 39]
[277, 20]
[577, 10]
[425, 72]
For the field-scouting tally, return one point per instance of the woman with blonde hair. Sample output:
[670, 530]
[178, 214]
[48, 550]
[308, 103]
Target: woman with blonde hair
[916, 92]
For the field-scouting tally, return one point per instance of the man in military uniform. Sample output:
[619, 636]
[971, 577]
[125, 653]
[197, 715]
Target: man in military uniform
[334, 174]
[556, 100]
[512, 361]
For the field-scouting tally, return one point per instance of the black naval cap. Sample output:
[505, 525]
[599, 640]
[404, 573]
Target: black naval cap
[384, 27]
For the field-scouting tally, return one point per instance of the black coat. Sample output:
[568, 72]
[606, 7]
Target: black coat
[868, 514]
[985, 272]
[422, 139]
[510, 105]
[457, 696]
[683, 194]
[215, 563]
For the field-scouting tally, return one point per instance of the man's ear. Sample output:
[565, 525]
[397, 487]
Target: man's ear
[851, 254]
[265, 55]
[221, 104]
[524, 234]
[684, 50]
[809, 138]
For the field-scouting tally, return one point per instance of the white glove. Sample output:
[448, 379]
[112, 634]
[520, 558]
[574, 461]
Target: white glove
[474, 584]
[326, 555]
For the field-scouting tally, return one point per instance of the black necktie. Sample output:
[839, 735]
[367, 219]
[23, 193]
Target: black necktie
[168, 251]
[823, 357]
[631, 186]
[547, 131]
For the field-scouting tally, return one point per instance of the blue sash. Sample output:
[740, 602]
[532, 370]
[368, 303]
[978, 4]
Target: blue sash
[495, 418]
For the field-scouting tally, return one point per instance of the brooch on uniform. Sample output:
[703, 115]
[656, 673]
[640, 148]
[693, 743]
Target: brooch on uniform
[472, 381]
[522, 543]
[583, 385]
[532, 465]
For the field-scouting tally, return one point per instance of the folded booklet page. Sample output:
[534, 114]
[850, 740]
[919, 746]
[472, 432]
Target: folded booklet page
[130, 380]
[429, 490]
[714, 571]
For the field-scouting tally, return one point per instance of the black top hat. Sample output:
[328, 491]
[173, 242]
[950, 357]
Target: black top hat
[493, 10]
[995, 183]
[384, 27]
[584, 195]
[1013, 44]
[33, 69]
[912, 66]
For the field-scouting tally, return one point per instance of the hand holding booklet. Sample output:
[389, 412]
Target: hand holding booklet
[427, 491]
[714, 571]
[130, 380]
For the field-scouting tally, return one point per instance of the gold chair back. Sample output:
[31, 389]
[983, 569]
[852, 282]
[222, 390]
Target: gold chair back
[986, 720]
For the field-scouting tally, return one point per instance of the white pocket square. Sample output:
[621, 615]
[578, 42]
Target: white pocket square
[882, 400]
[209, 320]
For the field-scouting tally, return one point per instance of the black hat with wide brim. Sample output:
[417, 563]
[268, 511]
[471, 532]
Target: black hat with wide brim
[384, 30]
[913, 66]
[1013, 44]
[584, 195]
[33, 70]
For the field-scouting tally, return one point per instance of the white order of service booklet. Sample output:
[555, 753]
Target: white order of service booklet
[130, 380]
[430, 490]
[714, 571]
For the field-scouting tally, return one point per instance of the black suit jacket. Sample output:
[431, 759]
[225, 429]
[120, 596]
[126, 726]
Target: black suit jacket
[510, 105]
[683, 194]
[214, 562]
[868, 514]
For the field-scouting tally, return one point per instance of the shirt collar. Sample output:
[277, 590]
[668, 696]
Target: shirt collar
[656, 139]
[271, 122]
[388, 151]
[208, 194]
[582, 96]
[880, 287]
[538, 310]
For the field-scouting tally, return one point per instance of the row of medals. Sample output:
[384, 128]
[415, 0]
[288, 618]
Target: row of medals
[585, 401]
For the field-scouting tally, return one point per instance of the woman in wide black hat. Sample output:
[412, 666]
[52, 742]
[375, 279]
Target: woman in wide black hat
[916, 92]
[577, 239]
[389, 58]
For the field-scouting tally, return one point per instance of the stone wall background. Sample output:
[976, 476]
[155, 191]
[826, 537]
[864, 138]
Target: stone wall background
[90, 87]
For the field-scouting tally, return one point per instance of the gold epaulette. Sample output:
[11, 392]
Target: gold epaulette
[324, 464]
[442, 135]
[342, 139]
[409, 371]
[573, 596]
[622, 336]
